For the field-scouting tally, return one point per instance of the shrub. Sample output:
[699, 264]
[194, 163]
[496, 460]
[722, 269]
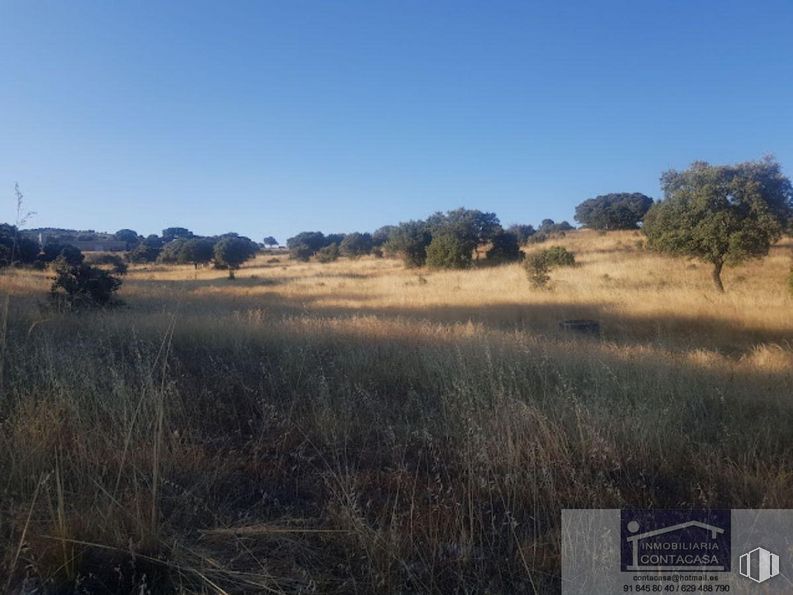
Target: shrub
[537, 269]
[505, 247]
[539, 264]
[328, 254]
[448, 252]
[81, 285]
[559, 256]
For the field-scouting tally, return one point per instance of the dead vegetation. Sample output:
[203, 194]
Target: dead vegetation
[345, 428]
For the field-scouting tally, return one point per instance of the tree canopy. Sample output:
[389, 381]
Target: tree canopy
[504, 247]
[356, 244]
[172, 233]
[521, 232]
[721, 214]
[129, 236]
[622, 210]
[232, 251]
[447, 251]
[410, 240]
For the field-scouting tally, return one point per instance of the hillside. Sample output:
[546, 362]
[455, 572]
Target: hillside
[363, 426]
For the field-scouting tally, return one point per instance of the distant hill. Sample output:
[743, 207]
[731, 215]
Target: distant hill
[86, 240]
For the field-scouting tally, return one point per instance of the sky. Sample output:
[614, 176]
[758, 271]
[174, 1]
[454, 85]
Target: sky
[274, 117]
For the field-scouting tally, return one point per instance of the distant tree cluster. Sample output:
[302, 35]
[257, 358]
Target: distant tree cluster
[719, 214]
[444, 240]
[16, 248]
[306, 244]
[613, 211]
[447, 240]
[179, 245]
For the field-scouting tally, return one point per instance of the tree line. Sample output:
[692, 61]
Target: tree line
[443, 240]
[720, 214]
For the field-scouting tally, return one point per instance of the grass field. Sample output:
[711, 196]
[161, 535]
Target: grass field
[360, 427]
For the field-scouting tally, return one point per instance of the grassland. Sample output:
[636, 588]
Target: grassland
[360, 427]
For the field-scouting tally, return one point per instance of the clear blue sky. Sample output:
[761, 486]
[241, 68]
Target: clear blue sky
[273, 117]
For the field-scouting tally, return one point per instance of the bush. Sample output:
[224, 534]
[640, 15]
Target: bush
[537, 269]
[505, 247]
[559, 256]
[81, 285]
[328, 254]
[448, 252]
[539, 264]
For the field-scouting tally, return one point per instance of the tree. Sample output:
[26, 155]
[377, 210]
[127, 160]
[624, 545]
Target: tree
[381, 235]
[196, 251]
[305, 244]
[410, 240]
[51, 252]
[447, 251]
[148, 250]
[26, 251]
[504, 247]
[172, 233]
[721, 214]
[170, 251]
[522, 232]
[128, 236]
[548, 226]
[471, 227]
[270, 241]
[623, 210]
[356, 244]
[232, 251]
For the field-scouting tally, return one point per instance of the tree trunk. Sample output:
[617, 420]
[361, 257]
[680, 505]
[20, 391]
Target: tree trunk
[231, 273]
[716, 274]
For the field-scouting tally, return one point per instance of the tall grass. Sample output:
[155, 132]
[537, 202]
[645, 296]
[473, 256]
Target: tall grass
[344, 427]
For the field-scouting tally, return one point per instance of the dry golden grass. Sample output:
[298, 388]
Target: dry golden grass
[359, 426]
